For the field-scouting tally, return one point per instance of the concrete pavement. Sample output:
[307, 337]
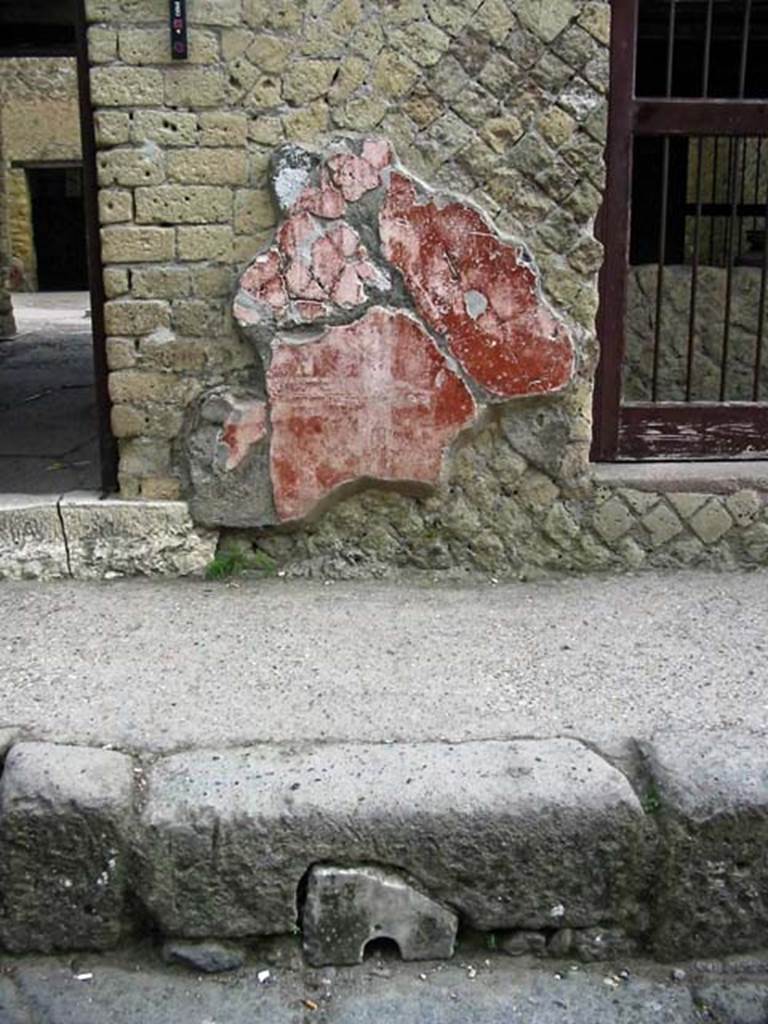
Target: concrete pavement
[169, 664]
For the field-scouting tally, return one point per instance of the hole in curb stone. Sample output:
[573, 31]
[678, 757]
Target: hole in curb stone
[381, 949]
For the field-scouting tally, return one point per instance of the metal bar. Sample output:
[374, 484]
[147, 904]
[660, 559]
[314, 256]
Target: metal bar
[761, 312]
[694, 272]
[671, 46]
[740, 207]
[699, 117]
[714, 197]
[660, 273]
[107, 445]
[757, 180]
[733, 162]
[707, 49]
[614, 231]
[744, 48]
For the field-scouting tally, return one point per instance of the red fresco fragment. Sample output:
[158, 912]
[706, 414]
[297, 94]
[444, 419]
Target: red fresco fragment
[353, 175]
[245, 426]
[371, 399]
[473, 288]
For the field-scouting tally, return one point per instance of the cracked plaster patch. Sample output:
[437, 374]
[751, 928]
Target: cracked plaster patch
[384, 318]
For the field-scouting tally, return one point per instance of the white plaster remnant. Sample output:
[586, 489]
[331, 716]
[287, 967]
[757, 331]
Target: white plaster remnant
[475, 303]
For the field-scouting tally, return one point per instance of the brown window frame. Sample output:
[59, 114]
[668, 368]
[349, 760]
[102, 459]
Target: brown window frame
[657, 430]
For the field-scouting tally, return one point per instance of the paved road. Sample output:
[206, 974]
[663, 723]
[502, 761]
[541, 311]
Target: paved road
[469, 990]
[166, 664]
[48, 430]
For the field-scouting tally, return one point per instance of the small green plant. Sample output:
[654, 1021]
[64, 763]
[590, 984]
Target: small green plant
[651, 800]
[225, 564]
[236, 560]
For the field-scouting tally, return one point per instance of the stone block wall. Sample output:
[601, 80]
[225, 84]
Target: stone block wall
[41, 123]
[502, 101]
[7, 324]
[499, 102]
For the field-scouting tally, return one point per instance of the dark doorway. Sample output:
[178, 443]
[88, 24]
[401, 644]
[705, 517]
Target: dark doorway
[58, 221]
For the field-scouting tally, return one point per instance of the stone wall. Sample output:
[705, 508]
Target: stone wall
[498, 106]
[41, 122]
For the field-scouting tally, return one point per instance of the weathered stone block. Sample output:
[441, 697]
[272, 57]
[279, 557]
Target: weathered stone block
[65, 822]
[554, 835]
[139, 386]
[223, 128]
[166, 127]
[115, 205]
[711, 890]
[160, 282]
[102, 44]
[183, 204]
[136, 316]
[203, 166]
[133, 244]
[113, 127]
[194, 87]
[207, 242]
[150, 46]
[143, 166]
[348, 907]
[711, 522]
[126, 87]
[31, 542]
[129, 538]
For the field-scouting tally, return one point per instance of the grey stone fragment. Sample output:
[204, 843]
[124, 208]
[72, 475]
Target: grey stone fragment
[712, 885]
[521, 942]
[65, 817]
[513, 835]
[560, 943]
[209, 957]
[221, 496]
[7, 738]
[346, 908]
[596, 944]
[732, 1002]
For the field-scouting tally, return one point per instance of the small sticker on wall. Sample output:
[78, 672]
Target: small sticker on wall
[178, 29]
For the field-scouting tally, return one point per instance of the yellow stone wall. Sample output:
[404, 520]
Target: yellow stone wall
[41, 123]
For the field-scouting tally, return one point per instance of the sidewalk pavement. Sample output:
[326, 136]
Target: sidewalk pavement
[167, 664]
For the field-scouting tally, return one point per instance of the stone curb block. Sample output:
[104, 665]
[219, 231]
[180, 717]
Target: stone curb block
[65, 821]
[31, 542]
[542, 836]
[711, 893]
[529, 834]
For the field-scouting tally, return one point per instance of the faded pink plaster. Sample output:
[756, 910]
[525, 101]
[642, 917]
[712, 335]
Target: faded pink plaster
[373, 399]
[474, 289]
[245, 426]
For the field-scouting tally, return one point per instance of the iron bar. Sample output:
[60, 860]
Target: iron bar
[733, 163]
[761, 311]
[660, 272]
[694, 273]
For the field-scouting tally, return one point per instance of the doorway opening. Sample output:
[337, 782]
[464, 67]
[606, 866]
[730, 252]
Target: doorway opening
[54, 407]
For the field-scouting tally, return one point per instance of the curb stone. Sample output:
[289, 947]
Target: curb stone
[712, 886]
[65, 818]
[527, 837]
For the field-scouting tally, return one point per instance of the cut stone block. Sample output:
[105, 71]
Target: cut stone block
[712, 887]
[128, 538]
[346, 908]
[65, 817]
[528, 834]
[31, 539]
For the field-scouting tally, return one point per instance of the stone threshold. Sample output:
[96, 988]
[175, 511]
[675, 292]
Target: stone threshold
[82, 535]
[671, 477]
